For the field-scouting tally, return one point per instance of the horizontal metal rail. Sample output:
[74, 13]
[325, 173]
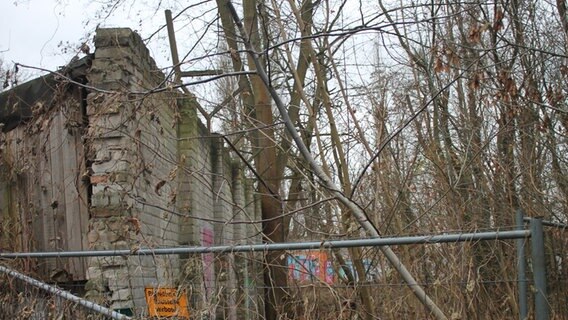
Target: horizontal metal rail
[548, 223]
[373, 242]
[64, 294]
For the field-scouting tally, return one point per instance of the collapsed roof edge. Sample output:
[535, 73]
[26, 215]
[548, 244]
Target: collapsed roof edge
[16, 104]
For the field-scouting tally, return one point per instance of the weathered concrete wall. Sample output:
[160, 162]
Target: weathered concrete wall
[213, 192]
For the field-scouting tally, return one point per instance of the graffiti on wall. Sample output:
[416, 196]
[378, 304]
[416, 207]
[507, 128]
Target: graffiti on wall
[310, 266]
[315, 265]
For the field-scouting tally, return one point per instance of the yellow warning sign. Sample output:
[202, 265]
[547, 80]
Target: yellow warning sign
[167, 302]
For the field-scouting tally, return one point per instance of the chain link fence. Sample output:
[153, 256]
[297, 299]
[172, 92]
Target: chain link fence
[473, 276]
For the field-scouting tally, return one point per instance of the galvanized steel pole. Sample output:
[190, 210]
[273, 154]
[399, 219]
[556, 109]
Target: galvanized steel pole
[539, 269]
[65, 295]
[521, 269]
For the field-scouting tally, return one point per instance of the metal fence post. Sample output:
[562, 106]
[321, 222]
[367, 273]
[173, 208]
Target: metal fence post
[539, 269]
[521, 269]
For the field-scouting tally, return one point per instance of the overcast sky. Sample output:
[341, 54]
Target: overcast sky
[48, 33]
[31, 31]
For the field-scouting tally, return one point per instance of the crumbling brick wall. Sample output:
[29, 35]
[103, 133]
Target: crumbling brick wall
[158, 178]
[132, 153]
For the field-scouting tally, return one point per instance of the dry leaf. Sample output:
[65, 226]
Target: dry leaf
[159, 186]
[136, 226]
[475, 33]
[498, 24]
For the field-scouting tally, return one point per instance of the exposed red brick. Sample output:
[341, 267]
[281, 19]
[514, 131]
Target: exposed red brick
[99, 179]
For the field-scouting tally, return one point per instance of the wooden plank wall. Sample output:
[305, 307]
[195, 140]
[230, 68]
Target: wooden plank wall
[46, 188]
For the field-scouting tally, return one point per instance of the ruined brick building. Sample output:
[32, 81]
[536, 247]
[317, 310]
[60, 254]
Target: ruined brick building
[105, 156]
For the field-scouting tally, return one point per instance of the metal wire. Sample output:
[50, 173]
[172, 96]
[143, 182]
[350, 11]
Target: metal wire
[65, 295]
